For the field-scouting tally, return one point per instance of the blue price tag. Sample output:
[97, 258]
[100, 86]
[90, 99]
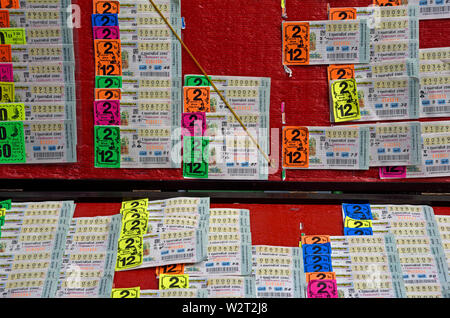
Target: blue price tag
[322, 267]
[107, 19]
[313, 249]
[357, 211]
[317, 259]
[358, 231]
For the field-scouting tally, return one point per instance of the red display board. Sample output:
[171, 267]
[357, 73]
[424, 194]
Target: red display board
[228, 38]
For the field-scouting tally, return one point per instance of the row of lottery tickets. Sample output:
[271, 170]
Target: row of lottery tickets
[46, 253]
[400, 149]
[37, 83]
[376, 70]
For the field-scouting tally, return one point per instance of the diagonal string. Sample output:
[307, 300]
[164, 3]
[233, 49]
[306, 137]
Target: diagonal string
[211, 82]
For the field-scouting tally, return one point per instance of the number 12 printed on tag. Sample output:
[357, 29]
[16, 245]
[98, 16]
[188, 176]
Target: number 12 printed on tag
[295, 147]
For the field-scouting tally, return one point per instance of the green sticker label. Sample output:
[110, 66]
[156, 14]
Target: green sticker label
[6, 204]
[12, 111]
[195, 157]
[12, 142]
[15, 36]
[107, 146]
[6, 92]
[108, 81]
[196, 80]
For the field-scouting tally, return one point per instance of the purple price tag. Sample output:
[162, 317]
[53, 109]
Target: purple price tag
[325, 288]
[193, 124]
[6, 72]
[106, 32]
[107, 112]
[398, 172]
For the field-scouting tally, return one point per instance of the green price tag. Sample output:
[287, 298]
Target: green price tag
[12, 142]
[196, 80]
[107, 146]
[195, 157]
[345, 100]
[12, 111]
[6, 92]
[108, 81]
[6, 204]
[2, 216]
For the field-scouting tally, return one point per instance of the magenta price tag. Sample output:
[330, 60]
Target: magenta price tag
[193, 124]
[107, 112]
[326, 288]
[106, 32]
[396, 172]
[6, 72]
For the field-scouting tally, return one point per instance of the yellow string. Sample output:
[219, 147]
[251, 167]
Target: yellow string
[212, 84]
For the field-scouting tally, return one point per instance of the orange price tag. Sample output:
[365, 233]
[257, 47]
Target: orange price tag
[197, 99]
[106, 6]
[320, 276]
[5, 53]
[108, 67]
[295, 147]
[388, 3]
[108, 93]
[341, 71]
[174, 269]
[342, 14]
[315, 239]
[9, 4]
[107, 50]
[4, 19]
[295, 43]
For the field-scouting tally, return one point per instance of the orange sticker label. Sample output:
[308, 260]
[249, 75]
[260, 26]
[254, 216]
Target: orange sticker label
[108, 93]
[197, 99]
[295, 147]
[320, 276]
[4, 19]
[108, 68]
[5, 53]
[388, 3]
[174, 269]
[102, 6]
[9, 4]
[108, 57]
[295, 43]
[342, 14]
[341, 71]
[315, 239]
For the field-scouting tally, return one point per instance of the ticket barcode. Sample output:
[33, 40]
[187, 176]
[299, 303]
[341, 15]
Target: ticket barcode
[342, 56]
[390, 112]
[274, 294]
[435, 9]
[418, 281]
[156, 74]
[47, 155]
[393, 157]
[437, 168]
[341, 161]
[176, 256]
[222, 269]
[436, 109]
[154, 159]
[241, 171]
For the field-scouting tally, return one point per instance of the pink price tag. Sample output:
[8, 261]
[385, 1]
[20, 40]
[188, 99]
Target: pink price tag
[193, 124]
[107, 112]
[106, 32]
[6, 72]
[398, 172]
[326, 288]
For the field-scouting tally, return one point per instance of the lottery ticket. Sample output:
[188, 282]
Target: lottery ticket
[44, 92]
[174, 293]
[432, 9]
[140, 112]
[181, 204]
[395, 68]
[166, 224]
[50, 141]
[42, 53]
[148, 19]
[325, 42]
[433, 67]
[145, 33]
[385, 99]
[338, 148]
[230, 259]
[44, 4]
[434, 95]
[231, 286]
[26, 18]
[394, 29]
[42, 72]
[227, 81]
[38, 111]
[37, 288]
[393, 50]
[74, 287]
[372, 12]
[49, 35]
[171, 7]
[273, 282]
[435, 53]
[395, 144]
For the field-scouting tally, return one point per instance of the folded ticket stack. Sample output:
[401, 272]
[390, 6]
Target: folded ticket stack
[38, 101]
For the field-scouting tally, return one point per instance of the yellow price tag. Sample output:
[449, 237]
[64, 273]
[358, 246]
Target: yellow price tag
[135, 213]
[134, 227]
[143, 203]
[125, 261]
[345, 100]
[12, 111]
[173, 281]
[7, 92]
[131, 245]
[2, 212]
[132, 292]
[352, 223]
